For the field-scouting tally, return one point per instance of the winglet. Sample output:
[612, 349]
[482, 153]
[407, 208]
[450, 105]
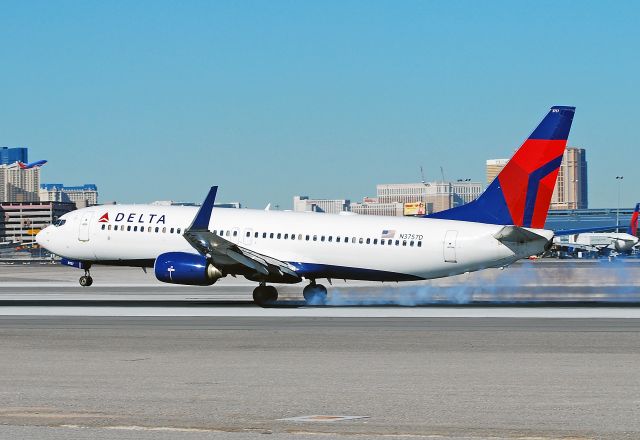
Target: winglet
[201, 221]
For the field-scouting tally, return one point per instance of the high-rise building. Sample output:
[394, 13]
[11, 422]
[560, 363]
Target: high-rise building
[82, 196]
[10, 155]
[305, 204]
[18, 185]
[571, 190]
[494, 166]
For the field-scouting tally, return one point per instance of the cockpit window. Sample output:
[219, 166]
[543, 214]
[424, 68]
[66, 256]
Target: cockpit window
[59, 222]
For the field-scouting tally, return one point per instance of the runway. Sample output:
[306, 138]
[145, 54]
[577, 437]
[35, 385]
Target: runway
[151, 361]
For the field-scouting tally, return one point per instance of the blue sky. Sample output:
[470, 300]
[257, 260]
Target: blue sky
[268, 99]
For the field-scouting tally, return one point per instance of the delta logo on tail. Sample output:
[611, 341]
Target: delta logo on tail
[28, 166]
[104, 218]
[521, 194]
[633, 226]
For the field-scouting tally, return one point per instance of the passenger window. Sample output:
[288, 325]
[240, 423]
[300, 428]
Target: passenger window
[411, 243]
[315, 238]
[157, 229]
[103, 226]
[397, 242]
[248, 234]
[141, 228]
[271, 235]
[382, 241]
[419, 244]
[128, 228]
[307, 237]
[135, 229]
[109, 227]
[178, 231]
[299, 236]
[221, 233]
[293, 236]
[330, 238]
[264, 235]
[322, 238]
[404, 242]
[286, 236]
[375, 241]
[353, 240]
[338, 239]
[228, 233]
[255, 235]
[149, 228]
[368, 241]
[361, 240]
[278, 236]
[235, 233]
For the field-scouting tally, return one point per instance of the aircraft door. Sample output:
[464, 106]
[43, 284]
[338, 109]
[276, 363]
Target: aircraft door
[450, 247]
[85, 222]
[247, 236]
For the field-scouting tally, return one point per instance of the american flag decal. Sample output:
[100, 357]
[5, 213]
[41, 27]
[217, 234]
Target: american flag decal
[388, 233]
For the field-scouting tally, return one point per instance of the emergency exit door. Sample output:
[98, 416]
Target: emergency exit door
[450, 247]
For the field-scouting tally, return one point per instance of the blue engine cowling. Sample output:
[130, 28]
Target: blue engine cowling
[185, 268]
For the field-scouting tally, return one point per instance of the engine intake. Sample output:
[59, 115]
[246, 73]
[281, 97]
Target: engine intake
[185, 268]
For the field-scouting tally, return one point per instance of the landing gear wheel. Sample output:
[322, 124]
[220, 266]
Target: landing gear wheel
[315, 294]
[86, 280]
[263, 295]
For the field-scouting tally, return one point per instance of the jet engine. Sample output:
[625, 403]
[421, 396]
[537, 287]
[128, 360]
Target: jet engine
[186, 268]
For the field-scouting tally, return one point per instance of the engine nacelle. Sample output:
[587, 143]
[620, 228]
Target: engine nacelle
[185, 268]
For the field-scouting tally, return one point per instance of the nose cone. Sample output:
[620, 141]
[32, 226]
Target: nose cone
[42, 237]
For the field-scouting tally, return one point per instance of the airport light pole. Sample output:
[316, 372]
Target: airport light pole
[619, 179]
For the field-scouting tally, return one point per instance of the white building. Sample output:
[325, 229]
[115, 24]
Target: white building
[365, 208]
[82, 196]
[436, 195]
[305, 204]
[19, 185]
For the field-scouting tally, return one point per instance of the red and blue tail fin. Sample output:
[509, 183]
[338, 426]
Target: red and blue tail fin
[633, 226]
[520, 195]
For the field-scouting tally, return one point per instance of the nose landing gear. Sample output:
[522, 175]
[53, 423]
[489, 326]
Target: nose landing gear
[86, 280]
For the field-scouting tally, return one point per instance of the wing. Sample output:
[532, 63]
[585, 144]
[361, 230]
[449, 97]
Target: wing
[230, 257]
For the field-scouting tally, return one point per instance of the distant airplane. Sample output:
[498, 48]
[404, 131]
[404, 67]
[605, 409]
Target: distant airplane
[197, 246]
[601, 242]
[27, 166]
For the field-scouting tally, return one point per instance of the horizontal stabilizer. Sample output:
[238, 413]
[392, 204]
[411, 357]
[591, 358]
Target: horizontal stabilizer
[515, 234]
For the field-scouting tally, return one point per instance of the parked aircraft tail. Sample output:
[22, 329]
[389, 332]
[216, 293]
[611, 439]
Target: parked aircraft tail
[521, 194]
[633, 226]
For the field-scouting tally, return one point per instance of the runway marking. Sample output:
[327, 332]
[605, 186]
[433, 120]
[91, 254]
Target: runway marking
[329, 312]
[322, 418]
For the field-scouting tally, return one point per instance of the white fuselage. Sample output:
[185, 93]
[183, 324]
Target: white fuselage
[402, 248]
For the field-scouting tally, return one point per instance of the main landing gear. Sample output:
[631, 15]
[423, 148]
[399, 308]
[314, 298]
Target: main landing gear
[263, 294]
[86, 280]
[315, 293]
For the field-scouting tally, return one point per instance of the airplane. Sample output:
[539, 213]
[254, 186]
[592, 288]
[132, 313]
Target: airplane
[601, 242]
[197, 246]
[27, 166]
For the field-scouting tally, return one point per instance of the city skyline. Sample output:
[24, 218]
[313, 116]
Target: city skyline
[267, 100]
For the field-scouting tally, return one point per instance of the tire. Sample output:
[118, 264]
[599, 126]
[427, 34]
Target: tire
[315, 294]
[89, 281]
[263, 295]
[84, 281]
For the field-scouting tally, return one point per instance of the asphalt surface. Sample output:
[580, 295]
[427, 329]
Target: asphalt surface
[238, 371]
[455, 378]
